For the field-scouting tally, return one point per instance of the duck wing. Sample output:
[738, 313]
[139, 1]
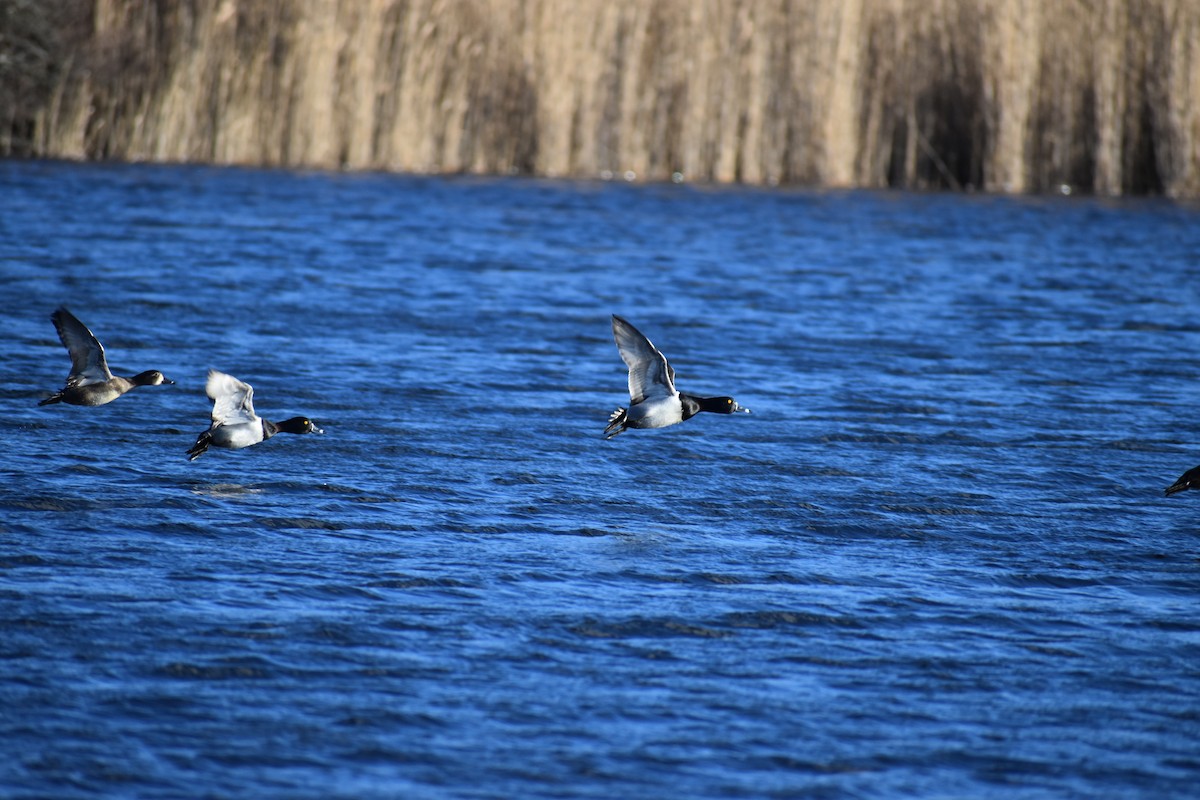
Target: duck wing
[650, 376]
[88, 364]
[233, 400]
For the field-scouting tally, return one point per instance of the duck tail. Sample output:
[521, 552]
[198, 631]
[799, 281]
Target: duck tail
[1188, 480]
[201, 445]
[54, 398]
[616, 423]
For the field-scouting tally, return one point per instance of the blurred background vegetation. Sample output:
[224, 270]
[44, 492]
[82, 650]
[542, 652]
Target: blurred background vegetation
[1001, 95]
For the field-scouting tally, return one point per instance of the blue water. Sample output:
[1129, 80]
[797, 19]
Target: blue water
[935, 561]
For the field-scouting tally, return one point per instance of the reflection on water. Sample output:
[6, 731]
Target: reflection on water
[227, 491]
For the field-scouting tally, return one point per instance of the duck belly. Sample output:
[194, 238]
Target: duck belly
[235, 437]
[655, 413]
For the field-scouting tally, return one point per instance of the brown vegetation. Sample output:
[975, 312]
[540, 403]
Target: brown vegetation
[1009, 95]
[36, 39]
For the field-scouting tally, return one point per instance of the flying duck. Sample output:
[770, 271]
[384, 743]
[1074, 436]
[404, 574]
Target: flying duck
[653, 399]
[234, 423]
[90, 382]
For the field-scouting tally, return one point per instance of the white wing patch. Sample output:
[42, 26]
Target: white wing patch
[650, 376]
[233, 400]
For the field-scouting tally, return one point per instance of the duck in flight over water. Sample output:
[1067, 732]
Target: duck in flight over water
[234, 423]
[653, 399]
[90, 382]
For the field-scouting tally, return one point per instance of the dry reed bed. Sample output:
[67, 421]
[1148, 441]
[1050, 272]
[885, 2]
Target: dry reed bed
[1009, 95]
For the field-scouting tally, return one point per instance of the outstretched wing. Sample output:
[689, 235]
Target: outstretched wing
[650, 376]
[88, 364]
[233, 400]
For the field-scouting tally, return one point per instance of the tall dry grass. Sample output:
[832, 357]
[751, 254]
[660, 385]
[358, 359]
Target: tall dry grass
[1010, 95]
[36, 37]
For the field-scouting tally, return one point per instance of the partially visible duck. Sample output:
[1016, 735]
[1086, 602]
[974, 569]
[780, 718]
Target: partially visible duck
[90, 382]
[653, 400]
[1188, 480]
[234, 423]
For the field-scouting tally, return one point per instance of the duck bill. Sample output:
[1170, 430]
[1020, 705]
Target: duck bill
[740, 408]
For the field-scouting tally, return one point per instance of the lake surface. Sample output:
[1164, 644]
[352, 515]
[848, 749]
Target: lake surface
[936, 561]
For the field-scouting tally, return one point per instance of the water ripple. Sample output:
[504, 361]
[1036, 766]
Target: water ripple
[935, 555]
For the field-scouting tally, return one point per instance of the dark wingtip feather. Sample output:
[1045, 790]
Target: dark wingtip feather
[616, 424]
[1187, 480]
[200, 447]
